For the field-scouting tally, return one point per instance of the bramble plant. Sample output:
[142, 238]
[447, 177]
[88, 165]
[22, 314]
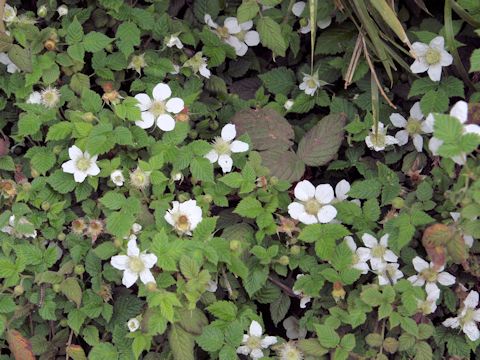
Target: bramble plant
[255, 179]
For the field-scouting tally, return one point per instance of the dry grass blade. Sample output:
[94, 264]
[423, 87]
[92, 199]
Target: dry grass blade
[313, 6]
[352, 66]
[2, 9]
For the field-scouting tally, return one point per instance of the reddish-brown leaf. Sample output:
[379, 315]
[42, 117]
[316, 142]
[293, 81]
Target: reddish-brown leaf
[20, 347]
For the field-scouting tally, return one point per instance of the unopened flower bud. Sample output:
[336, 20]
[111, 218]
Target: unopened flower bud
[295, 250]
[18, 290]
[151, 286]
[88, 117]
[79, 269]
[42, 11]
[235, 245]
[338, 291]
[398, 202]
[284, 260]
[50, 44]
[45, 206]
[56, 288]
[61, 236]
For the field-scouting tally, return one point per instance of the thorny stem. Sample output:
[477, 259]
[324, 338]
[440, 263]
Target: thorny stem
[227, 283]
[284, 287]
[69, 342]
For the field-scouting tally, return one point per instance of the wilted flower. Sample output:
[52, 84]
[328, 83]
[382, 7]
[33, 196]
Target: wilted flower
[62, 10]
[431, 58]
[8, 188]
[254, 343]
[12, 222]
[198, 64]
[134, 265]
[94, 229]
[467, 318]
[140, 179]
[79, 226]
[468, 239]
[379, 140]
[292, 326]
[9, 14]
[159, 109]
[184, 217]
[48, 97]
[388, 273]
[137, 63]
[117, 177]
[314, 204]
[224, 146]
[311, 83]
[172, 41]
[288, 351]
[239, 36]
[5, 60]
[81, 164]
[414, 127]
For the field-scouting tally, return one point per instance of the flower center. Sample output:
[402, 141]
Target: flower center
[83, 164]
[432, 56]
[312, 207]
[254, 342]
[378, 251]
[136, 264]
[413, 126]
[157, 108]
[223, 32]
[182, 223]
[355, 259]
[138, 61]
[378, 139]
[311, 83]
[429, 275]
[291, 353]
[221, 147]
[241, 35]
[468, 317]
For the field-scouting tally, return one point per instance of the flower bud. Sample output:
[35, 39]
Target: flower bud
[118, 243]
[61, 236]
[18, 290]
[57, 149]
[34, 173]
[274, 180]
[398, 202]
[235, 245]
[208, 198]
[338, 291]
[193, 134]
[45, 206]
[62, 10]
[284, 260]
[56, 288]
[295, 250]
[64, 323]
[42, 11]
[50, 45]
[79, 269]
[213, 124]
[88, 117]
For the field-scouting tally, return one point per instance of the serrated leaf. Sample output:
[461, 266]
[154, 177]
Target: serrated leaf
[95, 41]
[59, 131]
[249, 208]
[247, 11]
[327, 336]
[271, 35]
[21, 57]
[279, 308]
[321, 143]
[286, 165]
[181, 343]
[434, 101]
[72, 290]
[279, 80]
[202, 169]
[74, 32]
[128, 36]
[211, 339]
[20, 346]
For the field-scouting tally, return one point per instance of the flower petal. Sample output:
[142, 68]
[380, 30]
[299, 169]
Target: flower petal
[369, 240]
[307, 219]
[398, 120]
[324, 23]
[435, 72]
[460, 111]
[472, 129]
[238, 146]
[149, 260]
[147, 120]
[434, 144]
[298, 7]
[295, 209]
[437, 43]
[255, 329]
[446, 279]
[69, 167]
[225, 162]
[232, 25]
[229, 132]
[326, 214]
[268, 341]
[144, 101]
[119, 262]
[146, 276]
[420, 49]
[390, 256]
[419, 66]
[416, 111]
[445, 58]
[247, 25]
[129, 278]
[79, 176]
[350, 243]
[402, 137]
[165, 122]
[452, 323]
[418, 142]
[324, 193]
[419, 264]
[384, 240]
[212, 156]
[74, 152]
[243, 350]
[252, 38]
[471, 330]
[175, 105]
[132, 248]
[342, 189]
[161, 92]
[304, 190]
[471, 300]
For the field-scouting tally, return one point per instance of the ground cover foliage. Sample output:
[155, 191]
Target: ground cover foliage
[209, 179]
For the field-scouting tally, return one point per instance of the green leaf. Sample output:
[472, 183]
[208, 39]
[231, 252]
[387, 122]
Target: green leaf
[128, 36]
[91, 101]
[327, 336]
[59, 131]
[211, 339]
[447, 128]
[181, 343]
[279, 80]
[315, 232]
[96, 41]
[249, 208]
[475, 61]
[224, 310]
[202, 169]
[365, 189]
[434, 101]
[28, 124]
[271, 35]
[321, 143]
[279, 308]
[423, 351]
[74, 32]
[21, 57]
[113, 200]
[103, 351]
[62, 182]
[6, 163]
[72, 290]
[203, 7]
[247, 11]
[43, 160]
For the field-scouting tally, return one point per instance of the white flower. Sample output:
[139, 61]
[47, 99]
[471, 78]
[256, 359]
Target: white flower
[239, 36]
[459, 111]
[212, 286]
[224, 146]
[428, 273]
[134, 265]
[429, 305]
[34, 98]
[80, 164]
[298, 9]
[288, 351]
[292, 326]
[414, 127]
[288, 104]
[172, 41]
[48, 97]
[254, 343]
[133, 324]
[5, 60]
[9, 14]
[140, 179]
[159, 108]
[314, 205]
[468, 239]
[136, 228]
[10, 228]
[184, 217]
[310, 84]
[467, 318]
[137, 63]
[388, 274]
[198, 64]
[62, 10]
[431, 58]
[304, 299]
[360, 255]
[379, 253]
[341, 190]
[380, 140]
[117, 177]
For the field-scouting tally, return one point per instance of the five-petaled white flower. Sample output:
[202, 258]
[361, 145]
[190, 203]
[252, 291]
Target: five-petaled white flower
[430, 274]
[431, 58]
[81, 164]
[239, 36]
[468, 239]
[304, 299]
[254, 343]
[5, 60]
[172, 41]
[133, 324]
[379, 252]
[467, 317]
[414, 127]
[135, 264]
[388, 273]
[48, 97]
[224, 146]
[459, 111]
[360, 255]
[62, 10]
[198, 64]
[184, 217]
[311, 83]
[379, 140]
[298, 9]
[314, 205]
[9, 14]
[159, 108]
[117, 177]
